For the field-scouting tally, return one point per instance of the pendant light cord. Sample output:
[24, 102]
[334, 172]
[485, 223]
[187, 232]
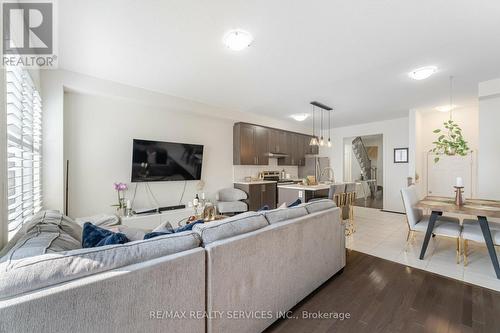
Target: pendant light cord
[451, 97]
[329, 126]
[321, 123]
[314, 133]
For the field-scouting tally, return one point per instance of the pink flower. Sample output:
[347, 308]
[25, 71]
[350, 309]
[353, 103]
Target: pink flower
[120, 187]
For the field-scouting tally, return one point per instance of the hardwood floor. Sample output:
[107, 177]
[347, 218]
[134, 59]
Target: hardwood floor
[384, 296]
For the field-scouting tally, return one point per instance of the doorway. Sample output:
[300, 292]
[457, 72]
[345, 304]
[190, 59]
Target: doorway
[363, 164]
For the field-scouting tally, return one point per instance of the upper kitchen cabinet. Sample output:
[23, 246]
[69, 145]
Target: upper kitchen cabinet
[277, 141]
[250, 144]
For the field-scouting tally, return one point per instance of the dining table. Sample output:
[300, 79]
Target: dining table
[477, 207]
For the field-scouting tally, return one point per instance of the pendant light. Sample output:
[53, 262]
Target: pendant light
[314, 140]
[321, 140]
[329, 143]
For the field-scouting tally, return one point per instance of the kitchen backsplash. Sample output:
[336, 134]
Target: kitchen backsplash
[242, 171]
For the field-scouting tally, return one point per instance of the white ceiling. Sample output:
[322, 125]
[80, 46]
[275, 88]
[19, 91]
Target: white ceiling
[352, 55]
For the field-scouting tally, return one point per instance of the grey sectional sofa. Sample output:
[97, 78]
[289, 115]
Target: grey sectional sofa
[254, 275]
[219, 278]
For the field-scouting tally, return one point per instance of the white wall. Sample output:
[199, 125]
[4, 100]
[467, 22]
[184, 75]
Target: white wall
[395, 135]
[489, 140]
[98, 144]
[92, 122]
[422, 125]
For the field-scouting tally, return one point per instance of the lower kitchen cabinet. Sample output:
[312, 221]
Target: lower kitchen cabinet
[259, 194]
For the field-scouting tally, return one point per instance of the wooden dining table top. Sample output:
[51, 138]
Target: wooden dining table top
[477, 207]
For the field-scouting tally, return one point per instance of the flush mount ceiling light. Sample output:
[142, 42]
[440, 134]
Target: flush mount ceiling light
[237, 39]
[445, 108]
[422, 73]
[300, 116]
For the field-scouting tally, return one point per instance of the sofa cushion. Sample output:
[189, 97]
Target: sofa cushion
[282, 214]
[94, 236]
[319, 205]
[49, 269]
[232, 226]
[45, 232]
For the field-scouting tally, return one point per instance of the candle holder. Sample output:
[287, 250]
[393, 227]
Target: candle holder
[459, 199]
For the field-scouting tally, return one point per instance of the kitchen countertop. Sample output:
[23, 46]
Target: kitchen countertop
[305, 187]
[256, 182]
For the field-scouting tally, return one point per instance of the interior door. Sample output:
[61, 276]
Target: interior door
[441, 176]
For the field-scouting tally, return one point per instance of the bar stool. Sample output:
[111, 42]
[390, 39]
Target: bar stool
[337, 194]
[349, 199]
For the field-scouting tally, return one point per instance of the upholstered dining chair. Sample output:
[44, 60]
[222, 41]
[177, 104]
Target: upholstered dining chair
[336, 193]
[471, 231]
[350, 197]
[417, 222]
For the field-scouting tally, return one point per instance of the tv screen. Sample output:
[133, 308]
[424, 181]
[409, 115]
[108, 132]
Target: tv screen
[155, 161]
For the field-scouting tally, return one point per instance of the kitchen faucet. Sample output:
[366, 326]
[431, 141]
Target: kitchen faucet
[328, 170]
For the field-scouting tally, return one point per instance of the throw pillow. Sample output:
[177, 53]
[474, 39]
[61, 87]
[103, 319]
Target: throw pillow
[263, 208]
[295, 203]
[164, 227]
[282, 206]
[154, 234]
[186, 227]
[94, 236]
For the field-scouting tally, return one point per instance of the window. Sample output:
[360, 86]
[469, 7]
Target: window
[24, 142]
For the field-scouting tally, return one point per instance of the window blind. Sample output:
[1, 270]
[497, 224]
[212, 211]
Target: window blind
[24, 143]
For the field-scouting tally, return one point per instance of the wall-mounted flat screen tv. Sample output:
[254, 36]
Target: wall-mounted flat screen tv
[156, 161]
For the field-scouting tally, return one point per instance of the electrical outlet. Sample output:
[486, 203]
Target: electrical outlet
[300, 194]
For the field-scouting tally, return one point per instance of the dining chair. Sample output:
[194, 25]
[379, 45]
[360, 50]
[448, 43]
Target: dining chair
[336, 193]
[350, 198]
[445, 226]
[471, 231]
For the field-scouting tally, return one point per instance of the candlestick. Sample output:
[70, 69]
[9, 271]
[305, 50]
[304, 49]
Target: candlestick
[459, 200]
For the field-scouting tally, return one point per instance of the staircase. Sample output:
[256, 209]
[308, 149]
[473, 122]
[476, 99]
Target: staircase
[365, 164]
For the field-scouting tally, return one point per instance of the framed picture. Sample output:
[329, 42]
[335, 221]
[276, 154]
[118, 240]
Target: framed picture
[400, 155]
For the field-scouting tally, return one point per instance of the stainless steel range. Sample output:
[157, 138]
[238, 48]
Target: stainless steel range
[275, 176]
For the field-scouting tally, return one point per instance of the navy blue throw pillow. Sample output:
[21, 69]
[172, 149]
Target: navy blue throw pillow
[295, 203]
[186, 227]
[263, 208]
[94, 236]
[155, 234]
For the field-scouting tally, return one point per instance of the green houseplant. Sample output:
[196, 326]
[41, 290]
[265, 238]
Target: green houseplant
[450, 141]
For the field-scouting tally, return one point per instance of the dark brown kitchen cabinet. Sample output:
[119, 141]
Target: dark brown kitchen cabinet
[250, 144]
[253, 143]
[259, 194]
[277, 141]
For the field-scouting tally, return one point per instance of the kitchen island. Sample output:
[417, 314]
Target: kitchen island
[289, 193]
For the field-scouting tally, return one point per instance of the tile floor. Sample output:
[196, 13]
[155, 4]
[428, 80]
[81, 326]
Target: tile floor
[383, 235]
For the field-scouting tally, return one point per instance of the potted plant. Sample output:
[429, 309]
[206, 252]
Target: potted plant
[120, 189]
[450, 141]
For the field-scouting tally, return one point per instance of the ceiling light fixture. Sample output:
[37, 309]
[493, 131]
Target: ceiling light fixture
[329, 143]
[321, 141]
[314, 140]
[422, 73]
[300, 116]
[237, 39]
